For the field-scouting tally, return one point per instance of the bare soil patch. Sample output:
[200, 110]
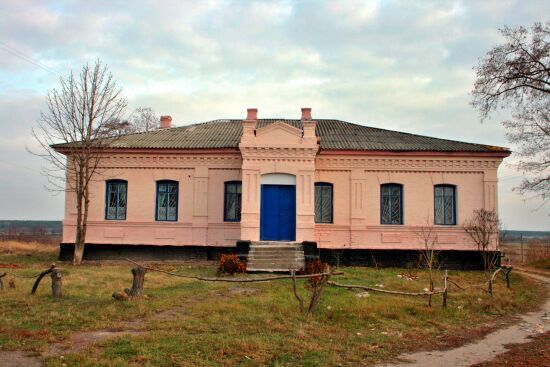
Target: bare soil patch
[19, 359]
[84, 339]
[535, 353]
[491, 346]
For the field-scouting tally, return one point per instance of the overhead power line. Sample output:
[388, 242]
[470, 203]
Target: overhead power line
[21, 55]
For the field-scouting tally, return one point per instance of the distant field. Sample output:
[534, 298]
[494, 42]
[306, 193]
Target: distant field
[44, 231]
[533, 252]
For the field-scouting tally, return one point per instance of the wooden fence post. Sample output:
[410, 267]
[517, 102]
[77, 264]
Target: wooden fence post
[445, 290]
[56, 283]
[491, 286]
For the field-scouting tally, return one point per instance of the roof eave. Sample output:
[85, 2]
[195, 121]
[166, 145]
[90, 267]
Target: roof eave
[429, 153]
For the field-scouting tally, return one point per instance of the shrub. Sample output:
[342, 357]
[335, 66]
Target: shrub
[315, 266]
[231, 264]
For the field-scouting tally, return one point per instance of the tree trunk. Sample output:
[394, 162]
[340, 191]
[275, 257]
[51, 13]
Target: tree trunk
[80, 234]
[56, 283]
[137, 284]
[431, 290]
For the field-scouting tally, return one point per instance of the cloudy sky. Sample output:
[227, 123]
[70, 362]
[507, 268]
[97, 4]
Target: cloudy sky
[393, 64]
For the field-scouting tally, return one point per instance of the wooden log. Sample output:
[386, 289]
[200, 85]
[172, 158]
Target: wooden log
[236, 280]
[367, 288]
[295, 290]
[137, 283]
[56, 283]
[39, 278]
[120, 296]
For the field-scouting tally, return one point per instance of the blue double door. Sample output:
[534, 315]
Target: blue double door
[278, 213]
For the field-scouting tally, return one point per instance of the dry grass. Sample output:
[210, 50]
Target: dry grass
[538, 250]
[27, 248]
[190, 323]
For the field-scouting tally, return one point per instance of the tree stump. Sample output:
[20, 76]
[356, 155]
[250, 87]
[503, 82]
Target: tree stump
[137, 284]
[56, 283]
[1, 282]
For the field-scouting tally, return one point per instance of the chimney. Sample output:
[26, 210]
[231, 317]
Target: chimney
[165, 122]
[251, 114]
[249, 125]
[309, 125]
[306, 114]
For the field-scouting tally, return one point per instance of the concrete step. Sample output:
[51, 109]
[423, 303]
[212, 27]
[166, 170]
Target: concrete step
[274, 243]
[277, 261]
[264, 257]
[281, 262]
[275, 253]
[275, 267]
[272, 256]
[269, 270]
[275, 248]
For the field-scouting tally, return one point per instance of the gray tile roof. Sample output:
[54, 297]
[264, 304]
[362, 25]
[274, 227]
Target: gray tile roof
[333, 134]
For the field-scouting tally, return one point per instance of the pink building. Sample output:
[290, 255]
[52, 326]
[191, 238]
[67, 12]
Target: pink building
[339, 187]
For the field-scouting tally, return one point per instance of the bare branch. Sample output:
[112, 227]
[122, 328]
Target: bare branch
[516, 76]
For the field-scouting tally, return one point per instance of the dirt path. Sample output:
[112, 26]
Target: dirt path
[493, 344]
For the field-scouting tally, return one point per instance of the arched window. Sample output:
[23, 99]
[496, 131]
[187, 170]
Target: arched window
[167, 201]
[323, 202]
[116, 199]
[232, 201]
[391, 203]
[445, 204]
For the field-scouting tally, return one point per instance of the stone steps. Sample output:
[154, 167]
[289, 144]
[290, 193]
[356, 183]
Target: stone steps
[272, 256]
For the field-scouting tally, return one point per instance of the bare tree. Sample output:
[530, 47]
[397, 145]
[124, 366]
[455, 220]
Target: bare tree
[428, 255]
[483, 229]
[337, 255]
[73, 132]
[118, 127]
[516, 75]
[144, 119]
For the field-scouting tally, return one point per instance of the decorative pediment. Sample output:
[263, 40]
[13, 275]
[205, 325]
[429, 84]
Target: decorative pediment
[278, 133]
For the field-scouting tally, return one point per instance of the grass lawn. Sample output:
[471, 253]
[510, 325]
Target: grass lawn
[223, 324]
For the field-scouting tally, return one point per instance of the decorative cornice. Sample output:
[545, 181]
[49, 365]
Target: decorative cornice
[285, 152]
[420, 164]
[171, 161]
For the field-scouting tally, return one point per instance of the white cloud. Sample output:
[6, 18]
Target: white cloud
[395, 64]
